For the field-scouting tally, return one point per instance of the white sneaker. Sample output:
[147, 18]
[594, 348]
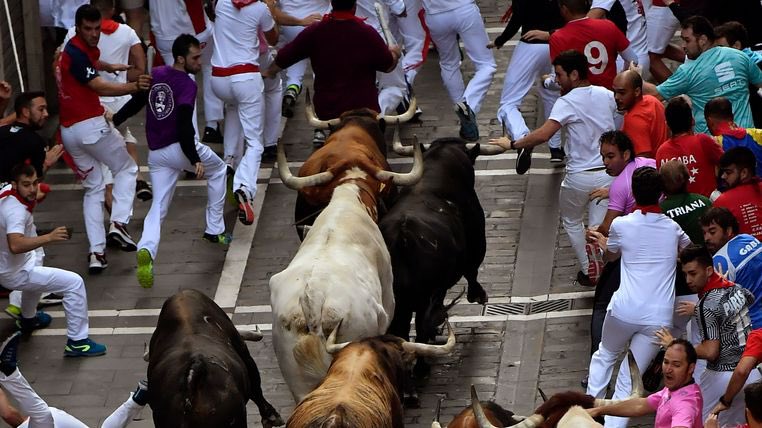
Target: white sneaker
[119, 237]
[128, 137]
[97, 262]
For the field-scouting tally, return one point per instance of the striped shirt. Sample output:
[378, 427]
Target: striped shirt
[723, 314]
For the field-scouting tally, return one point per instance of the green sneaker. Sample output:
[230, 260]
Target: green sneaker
[14, 311]
[222, 238]
[145, 268]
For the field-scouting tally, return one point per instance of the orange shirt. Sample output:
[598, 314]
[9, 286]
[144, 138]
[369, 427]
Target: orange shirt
[646, 125]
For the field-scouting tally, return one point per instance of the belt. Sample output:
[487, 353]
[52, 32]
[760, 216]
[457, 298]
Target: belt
[236, 69]
[600, 168]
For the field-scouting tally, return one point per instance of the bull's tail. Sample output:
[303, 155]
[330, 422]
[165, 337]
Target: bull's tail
[196, 372]
[309, 351]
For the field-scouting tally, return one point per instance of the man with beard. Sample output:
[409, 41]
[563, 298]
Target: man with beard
[743, 194]
[715, 71]
[736, 256]
[585, 170]
[678, 404]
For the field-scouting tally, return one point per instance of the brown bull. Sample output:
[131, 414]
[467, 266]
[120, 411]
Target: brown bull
[562, 410]
[363, 387]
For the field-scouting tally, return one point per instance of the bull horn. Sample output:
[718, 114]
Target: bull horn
[297, 183]
[405, 150]
[531, 422]
[146, 355]
[487, 149]
[251, 336]
[410, 178]
[309, 111]
[330, 345]
[401, 118]
[426, 350]
[635, 381]
[476, 407]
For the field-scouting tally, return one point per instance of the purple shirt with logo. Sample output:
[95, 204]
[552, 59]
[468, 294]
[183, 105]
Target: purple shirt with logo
[170, 89]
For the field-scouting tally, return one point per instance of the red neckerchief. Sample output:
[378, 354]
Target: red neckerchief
[648, 209]
[93, 54]
[108, 26]
[242, 3]
[730, 128]
[714, 282]
[12, 192]
[343, 14]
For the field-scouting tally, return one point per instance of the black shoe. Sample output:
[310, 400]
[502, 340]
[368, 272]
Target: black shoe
[270, 154]
[318, 138]
[584, 280]
[140, 396]
[289, 100]
[119, 237]
[143, 190]
[212, 136]
[8, 351]
[557, 155]
[469, 130]
[523, 161]
[50, 300]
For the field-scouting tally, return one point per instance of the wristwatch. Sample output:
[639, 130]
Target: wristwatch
[511, 145]
[725, 403]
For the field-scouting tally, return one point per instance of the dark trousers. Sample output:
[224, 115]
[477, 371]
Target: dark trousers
[608, 283]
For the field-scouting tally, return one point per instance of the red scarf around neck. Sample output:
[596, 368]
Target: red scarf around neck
[655, 209]
[108, 26]
[343, 15]
[242, 3]
[12, 192]
[730, 128]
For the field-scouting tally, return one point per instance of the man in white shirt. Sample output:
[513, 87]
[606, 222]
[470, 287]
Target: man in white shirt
[587, 111]
[236, 79]
[171, 18]
[21, 266]
[636, 26]
[648, 242]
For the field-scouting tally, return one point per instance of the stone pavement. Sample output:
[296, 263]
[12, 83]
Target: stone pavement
[533, 333]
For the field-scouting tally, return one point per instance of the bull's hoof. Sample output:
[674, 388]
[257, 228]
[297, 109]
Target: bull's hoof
[273, 421]
[477, 295]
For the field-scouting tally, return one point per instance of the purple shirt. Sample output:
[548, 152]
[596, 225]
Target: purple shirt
[620, 193]
[681, 408]
[170, 89]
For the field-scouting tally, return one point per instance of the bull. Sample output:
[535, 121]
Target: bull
[363, 387]
[199, 368]
[562, 410]
[342, 269]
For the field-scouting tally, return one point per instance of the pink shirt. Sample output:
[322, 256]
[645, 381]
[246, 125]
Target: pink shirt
[681, 408]
[620, 193]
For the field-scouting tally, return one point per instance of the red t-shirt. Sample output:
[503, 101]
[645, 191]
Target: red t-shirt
[745, 202]
[599, 39]
[646, 126]
[754, 345]
[74, 69]
[700, 153]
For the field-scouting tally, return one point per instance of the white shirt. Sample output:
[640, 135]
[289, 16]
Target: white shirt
[14, 218]
[438, 6]
[115, 49]
[236, 39]
[586, 112]
[59, 13]
[302, 8]
[649, 246]
[366, 9]
[170, 18]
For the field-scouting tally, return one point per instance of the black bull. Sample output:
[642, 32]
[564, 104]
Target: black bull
[200, 371]
[435, 235]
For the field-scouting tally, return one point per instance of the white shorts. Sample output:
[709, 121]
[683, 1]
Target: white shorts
[661, 28]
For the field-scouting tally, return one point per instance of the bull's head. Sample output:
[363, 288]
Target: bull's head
[537, 419]
[309, 111]
[299, 183]
[417, 349]
[482, 149]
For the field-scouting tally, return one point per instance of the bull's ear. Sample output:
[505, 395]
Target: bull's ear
[382, 125]
[473, 152]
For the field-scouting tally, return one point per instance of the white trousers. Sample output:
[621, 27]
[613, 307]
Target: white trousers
[165, 166]
[410, 32]
[713, 385]
[244, 107]
[41, 279]
[528, 62]
[43, 416]
[573, 199]
[90, 143]
[614, 339]
[467, 22]
[392, 88]
[685, 325]
[636, 32]
[294, 75]
[213, 107]
[273, 92]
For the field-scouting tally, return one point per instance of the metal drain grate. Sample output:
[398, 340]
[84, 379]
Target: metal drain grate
[528, 308]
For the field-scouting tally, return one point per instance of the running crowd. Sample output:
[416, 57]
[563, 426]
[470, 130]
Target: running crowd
[665, 163]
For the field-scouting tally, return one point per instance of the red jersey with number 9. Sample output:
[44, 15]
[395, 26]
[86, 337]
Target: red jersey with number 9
[599, 39]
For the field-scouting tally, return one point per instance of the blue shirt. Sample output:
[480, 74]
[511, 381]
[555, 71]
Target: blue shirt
[752, 140]
[740, 260]
[717, 72]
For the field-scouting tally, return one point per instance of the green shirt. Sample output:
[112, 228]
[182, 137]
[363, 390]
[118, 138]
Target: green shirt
[686, 209]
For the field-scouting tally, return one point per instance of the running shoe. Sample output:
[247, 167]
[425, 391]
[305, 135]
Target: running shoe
[8, 353]
[289, 100]
[557, 155]
[13, 311]
[145, 268]
[140, 396]
[584, 280]
[143, 190]
[83, 348]
[318, 138]
[50, 299]
[245, 210]
[222, 238]
[270, 154]
[523, 161]
[212, 135]
[97, 263]
[469, 130]
[28, 325]
[119, 237]
[595, 261]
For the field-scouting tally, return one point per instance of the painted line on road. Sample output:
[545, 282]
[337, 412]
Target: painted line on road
[462, 321]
